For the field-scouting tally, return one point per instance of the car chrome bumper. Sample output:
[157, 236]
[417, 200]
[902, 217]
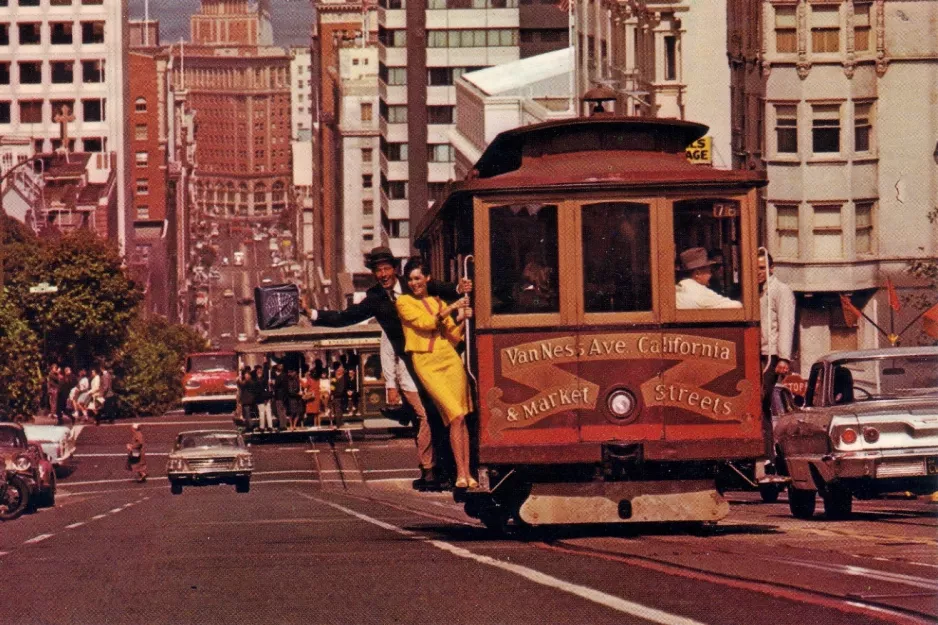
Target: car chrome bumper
[216, 477]
[866, 466]
[209, 398]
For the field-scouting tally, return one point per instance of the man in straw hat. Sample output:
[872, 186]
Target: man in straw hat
[395, 362]
[693, 291]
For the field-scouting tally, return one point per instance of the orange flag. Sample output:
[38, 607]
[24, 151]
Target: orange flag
[852, 314]
[930, 322]
[893, 296]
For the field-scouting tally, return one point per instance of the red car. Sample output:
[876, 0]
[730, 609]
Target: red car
[210, 381]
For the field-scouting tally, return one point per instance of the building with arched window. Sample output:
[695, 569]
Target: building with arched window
[237, 83]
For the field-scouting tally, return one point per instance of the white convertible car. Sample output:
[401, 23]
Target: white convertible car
[57, 441]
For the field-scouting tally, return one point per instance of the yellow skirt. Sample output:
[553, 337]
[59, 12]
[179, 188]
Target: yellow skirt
[441, 372]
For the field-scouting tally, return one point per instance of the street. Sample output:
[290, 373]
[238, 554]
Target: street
[297, 550]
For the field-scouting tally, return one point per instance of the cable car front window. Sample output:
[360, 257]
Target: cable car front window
[616, 257]
[524, 259]
[707, 239]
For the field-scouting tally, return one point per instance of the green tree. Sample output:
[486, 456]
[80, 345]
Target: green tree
[88, 318]
[148, 370]
[19, 362]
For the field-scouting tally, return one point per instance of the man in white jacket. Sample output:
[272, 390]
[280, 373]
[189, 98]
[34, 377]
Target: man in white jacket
[777, 307]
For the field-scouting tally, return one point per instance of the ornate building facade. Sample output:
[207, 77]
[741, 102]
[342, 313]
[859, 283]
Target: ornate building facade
[238, 85]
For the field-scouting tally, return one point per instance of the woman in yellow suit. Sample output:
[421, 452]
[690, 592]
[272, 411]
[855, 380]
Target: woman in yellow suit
[430, 336]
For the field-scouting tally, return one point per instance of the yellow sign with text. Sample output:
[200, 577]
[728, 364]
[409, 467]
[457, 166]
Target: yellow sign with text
[700, 152]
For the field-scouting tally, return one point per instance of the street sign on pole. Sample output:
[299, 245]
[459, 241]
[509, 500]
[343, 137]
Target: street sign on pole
[44, 287]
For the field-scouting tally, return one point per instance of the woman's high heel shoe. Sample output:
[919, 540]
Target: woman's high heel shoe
[473, 483]
[462, 483]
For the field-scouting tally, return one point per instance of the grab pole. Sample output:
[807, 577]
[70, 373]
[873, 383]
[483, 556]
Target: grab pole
[465, 274]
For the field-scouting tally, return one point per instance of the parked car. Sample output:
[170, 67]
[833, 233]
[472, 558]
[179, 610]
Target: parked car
[201, 457]
[239, 259]
[869, 426]
[228, 293]
[57, 441]
[27, 462]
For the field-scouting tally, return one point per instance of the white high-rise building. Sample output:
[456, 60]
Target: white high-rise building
[67, 53]
[361, 219]
[301, 93]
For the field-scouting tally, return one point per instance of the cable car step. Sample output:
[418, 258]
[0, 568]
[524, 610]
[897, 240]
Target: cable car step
[623, 502]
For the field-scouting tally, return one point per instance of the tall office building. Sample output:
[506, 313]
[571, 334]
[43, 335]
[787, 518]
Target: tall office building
[237, 83]
[423, 47]
[63, 77]
[301, 93]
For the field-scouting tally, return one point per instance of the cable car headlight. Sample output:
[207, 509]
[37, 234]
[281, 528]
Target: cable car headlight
[621, 403]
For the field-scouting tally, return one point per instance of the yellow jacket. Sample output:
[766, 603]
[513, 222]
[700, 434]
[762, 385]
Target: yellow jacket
[421, 327]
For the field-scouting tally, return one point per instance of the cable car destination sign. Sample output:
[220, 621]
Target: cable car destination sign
[700, 360]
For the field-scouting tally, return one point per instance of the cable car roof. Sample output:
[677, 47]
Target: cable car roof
[595, 153]
[305, 337]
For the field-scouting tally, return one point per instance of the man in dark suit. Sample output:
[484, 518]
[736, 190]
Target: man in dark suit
[379, 303]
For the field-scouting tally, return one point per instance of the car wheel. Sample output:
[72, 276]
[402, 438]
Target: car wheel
[175, 488]
[838, 503]
[769, 492]
[802, 502]
[243, 486]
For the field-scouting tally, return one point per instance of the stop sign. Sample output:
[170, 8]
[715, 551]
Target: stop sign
[796, 384]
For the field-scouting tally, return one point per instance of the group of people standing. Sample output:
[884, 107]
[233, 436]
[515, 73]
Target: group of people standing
[86, 395]
[296, 400]
[418, 355]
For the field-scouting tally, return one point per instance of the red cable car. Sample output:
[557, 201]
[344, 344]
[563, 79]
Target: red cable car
[615, 344]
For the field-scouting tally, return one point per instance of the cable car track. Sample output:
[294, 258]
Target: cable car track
[540, 538]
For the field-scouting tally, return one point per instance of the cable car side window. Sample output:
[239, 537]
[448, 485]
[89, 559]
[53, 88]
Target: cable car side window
[523, 250]
[616, 257]
[707, 238]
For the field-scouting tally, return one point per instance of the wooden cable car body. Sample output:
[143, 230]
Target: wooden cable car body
[598, 398]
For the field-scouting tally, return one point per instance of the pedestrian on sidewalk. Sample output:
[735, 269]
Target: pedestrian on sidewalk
[136, 456]
[53, 380]
[66, 384]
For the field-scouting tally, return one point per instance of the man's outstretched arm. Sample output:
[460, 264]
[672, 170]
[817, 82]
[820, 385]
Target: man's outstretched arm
[356, 313]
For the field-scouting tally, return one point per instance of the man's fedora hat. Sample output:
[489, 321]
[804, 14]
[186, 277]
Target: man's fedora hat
[380, 254]
[695, 258]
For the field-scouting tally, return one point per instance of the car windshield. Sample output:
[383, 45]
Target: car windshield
[208, 363]
[891, 377]
[208, 439]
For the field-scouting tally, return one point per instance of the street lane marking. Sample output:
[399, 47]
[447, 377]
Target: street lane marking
[37, 539]
[115, 510]
[98, 516]
[74, 525]
[584, 592]
[859, 571]
[3, 553]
